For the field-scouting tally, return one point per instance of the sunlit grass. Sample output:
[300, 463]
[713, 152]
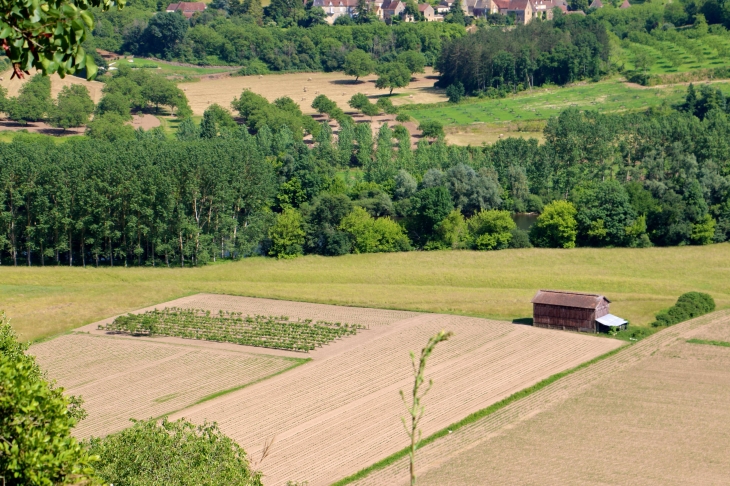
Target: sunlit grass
[639, 282]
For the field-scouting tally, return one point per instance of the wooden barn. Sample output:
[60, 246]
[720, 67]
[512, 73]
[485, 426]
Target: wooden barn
[573, 311]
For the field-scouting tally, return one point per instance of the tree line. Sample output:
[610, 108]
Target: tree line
[565, 50]
[226, 36]
[224, 190]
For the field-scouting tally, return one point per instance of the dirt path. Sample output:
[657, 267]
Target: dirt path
[459, 445]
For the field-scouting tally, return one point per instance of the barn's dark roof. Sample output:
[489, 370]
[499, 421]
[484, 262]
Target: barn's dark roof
[568, 299]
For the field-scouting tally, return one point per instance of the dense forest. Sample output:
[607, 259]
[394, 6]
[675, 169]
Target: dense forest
[225, 190]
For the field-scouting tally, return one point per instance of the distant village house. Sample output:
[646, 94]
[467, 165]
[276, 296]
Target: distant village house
[186, 8]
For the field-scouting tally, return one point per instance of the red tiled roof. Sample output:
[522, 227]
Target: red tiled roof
[186, 7]
[422, 7]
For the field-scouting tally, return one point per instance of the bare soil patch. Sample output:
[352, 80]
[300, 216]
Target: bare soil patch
[653, 413]
[303, 88]
[121, 378]
[145, 121]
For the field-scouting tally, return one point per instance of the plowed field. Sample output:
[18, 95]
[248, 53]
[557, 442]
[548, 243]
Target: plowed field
[121, 378]
[655, 413]
[342, 411]
[331, 416]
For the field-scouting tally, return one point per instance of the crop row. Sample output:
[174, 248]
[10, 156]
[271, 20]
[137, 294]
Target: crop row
[279, 332]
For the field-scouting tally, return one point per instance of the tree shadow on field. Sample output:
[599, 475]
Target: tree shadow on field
[350, 82]
[525, 321]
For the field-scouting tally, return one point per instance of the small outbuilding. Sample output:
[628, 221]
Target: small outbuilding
[573, 311]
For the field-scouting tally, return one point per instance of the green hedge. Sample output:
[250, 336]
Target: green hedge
[689, 305]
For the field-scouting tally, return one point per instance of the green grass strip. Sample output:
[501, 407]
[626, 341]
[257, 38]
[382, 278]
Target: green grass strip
[469, 419]
[297, 362]
[724, 344]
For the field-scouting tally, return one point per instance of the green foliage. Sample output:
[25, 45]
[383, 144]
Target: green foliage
[490, 230]
[432, 129]
[216, 120]
[703, 232]
[520, 239]
[151, 453]
[403, 118]
[413, 60]
[49, 37]
[451, 232]
[33, 102]
[560, 51]
[387, 106]
[257, 113]
[556, 227]
[358, 63]
[36, 445]
[114, 102]
[187, 130]
[393, 75]
[73, 107]
[370, 235]
[287, 235]
[428, 208]
[688, 306]
[455, 92]
[605, 215]
[277, 332]
[110, 127]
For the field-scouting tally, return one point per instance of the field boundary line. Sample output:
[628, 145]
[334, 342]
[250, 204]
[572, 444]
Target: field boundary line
[622, 357]
[212, 396]
[471, 418]
[723, 344]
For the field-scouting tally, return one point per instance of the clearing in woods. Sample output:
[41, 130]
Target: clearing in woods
[336, 85]
[332, 416]
[653, 413]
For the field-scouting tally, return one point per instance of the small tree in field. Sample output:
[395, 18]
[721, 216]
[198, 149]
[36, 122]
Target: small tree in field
[393, 75]
[415, 409]
[358, 63]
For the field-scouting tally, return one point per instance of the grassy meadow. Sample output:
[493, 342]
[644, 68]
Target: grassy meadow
[46, 301]
[543, 103]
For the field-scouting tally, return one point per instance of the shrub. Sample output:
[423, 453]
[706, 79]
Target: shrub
[688, 306]
[556, 227]
[371, 235]
[520, 239]
[490, 230]
[287, 235]
[36, 446]
[177, 453]
[403, 117]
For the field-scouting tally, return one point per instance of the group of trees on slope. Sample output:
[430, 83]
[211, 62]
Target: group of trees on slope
[654, 178]
[126, 91]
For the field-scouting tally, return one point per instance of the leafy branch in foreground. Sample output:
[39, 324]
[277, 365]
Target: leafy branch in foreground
[415, 409]
[48, 35]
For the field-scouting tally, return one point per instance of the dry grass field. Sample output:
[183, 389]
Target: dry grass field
[342, 411]
[639, 282]
[337, 86]
[654, 413]
[57, 83]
